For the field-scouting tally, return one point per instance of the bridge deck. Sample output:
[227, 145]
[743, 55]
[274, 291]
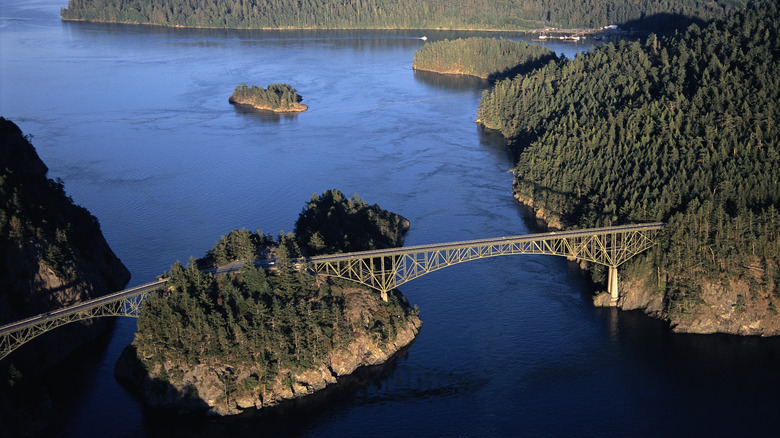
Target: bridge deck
[488, 241]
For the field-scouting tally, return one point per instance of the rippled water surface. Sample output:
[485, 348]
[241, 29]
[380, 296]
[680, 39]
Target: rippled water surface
[136, 122]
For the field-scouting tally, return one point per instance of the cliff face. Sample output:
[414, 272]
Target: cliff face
[211, 387]
[732, 307]
[52, 252]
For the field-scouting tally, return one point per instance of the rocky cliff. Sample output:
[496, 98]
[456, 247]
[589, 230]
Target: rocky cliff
[52, 252]
[738, 307]
[253, 339]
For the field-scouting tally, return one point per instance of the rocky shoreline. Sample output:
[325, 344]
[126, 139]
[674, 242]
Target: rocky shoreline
[724, 308]
[294, 107]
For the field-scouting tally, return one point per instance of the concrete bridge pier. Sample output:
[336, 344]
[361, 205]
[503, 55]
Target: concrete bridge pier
[612, 285]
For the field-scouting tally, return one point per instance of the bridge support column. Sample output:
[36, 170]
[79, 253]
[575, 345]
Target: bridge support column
[612, 284]
[383, 294]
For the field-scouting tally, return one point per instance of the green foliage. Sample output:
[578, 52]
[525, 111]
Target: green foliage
[251, 319]
[739, 306]
[275, 97]
[240, 319]
[681, 130]
[238, 245]
[331, 223]
[403, 14]
[487, 58]
[34, 207]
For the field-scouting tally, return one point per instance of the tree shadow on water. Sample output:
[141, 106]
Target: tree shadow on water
[450, 81]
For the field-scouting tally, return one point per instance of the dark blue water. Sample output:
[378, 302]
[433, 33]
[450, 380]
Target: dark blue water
[136, 121]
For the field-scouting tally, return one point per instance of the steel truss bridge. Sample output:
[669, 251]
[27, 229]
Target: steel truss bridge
[382, 270]
[387, 269]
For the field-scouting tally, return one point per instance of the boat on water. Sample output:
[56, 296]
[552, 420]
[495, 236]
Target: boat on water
[574, 38]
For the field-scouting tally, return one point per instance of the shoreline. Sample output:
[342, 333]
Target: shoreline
[578, 31]
[298, 108]
[451, 73]
[637, 295]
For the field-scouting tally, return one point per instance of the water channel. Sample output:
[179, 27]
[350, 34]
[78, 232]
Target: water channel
[135, 120]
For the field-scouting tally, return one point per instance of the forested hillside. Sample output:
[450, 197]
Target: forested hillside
[52, 252]
[284, 320]
[681, 130]
[487, 58]
[404, 14]
[251, 339]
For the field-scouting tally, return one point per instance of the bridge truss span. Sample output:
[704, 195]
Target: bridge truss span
[384, 270]
[123, 303]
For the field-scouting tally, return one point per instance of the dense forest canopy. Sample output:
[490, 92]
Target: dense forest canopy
[487, 58]
[394, 14]
[270, 324]
[332, 223]
[240, 244]
[682, 130]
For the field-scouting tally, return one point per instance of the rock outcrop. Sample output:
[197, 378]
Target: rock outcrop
[732, 307]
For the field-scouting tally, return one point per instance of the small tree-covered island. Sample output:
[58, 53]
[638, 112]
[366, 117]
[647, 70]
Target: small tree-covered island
[487, 58]
[240, 342]
[281, 98]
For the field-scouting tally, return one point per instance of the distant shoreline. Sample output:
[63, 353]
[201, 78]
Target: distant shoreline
[592, 31]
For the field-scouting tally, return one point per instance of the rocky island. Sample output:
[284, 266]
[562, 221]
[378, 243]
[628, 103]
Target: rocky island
[255, 339]
[279, 98]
